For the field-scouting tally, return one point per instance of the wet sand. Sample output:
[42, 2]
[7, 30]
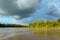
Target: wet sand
[26, 34]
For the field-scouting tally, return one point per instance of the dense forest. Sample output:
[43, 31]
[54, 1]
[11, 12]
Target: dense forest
[45, 24]
[12, 25]
[37, 24]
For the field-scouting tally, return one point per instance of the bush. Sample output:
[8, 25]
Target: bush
[45, 24]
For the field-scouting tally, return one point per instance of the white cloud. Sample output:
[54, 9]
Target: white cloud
[15, 16]
[53, 9]
[27, 4]
[15, 21]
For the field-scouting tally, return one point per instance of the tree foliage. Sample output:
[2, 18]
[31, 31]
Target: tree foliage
[12, 25]
[45, 24]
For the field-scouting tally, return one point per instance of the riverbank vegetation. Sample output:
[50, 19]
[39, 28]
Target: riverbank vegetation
[37, 24]
[12, 25]
[45, 24]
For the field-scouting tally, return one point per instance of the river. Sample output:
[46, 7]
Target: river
[27, 34]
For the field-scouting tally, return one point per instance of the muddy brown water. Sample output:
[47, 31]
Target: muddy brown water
[27, 34]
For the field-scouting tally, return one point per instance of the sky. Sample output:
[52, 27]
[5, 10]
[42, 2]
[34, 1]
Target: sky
[26, 11]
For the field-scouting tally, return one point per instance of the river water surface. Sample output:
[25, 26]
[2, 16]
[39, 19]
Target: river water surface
[27, 34]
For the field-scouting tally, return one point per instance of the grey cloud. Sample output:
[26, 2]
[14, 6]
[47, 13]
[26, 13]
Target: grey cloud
[11, 7]
[53, 10]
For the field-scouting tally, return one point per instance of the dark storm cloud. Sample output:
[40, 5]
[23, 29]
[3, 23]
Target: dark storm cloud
[24, 10]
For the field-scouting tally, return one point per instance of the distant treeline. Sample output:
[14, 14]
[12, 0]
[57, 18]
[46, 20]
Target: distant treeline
[37, 24]
[45, 24]
[12, 25]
